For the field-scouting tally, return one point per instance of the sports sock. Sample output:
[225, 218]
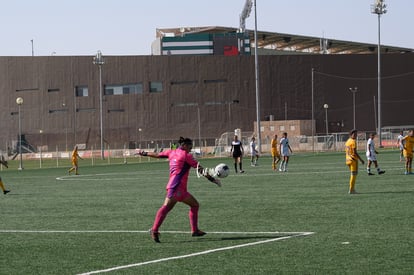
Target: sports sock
[352, 183]
[193, 215]
[159, 218]
[240, 166]
[2, 186]
[235, 167]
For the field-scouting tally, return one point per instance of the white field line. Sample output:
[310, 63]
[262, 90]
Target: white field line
[147, 231]
[107, 177]
[297, 234]
[289, 236]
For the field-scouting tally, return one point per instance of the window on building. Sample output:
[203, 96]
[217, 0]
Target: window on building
[292, 127]
[282, 127]
[155, 86]
[125, 89]
[81, 91]
[272, 128]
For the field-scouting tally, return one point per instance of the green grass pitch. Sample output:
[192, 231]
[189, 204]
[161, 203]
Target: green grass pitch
[52, 223]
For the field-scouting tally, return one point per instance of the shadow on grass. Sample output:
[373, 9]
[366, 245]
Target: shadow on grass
[386, 192]
[234, 238]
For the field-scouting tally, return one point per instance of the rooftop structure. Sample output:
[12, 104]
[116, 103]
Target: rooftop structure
[282, 43]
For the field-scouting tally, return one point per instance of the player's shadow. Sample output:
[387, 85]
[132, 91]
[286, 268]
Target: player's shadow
[236, 238]
[387, 192]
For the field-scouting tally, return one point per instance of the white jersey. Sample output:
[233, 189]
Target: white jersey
[284, 146]
[400, 142]
[253, 151]
[370, 150]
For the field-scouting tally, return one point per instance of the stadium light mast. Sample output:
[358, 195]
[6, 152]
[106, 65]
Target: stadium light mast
[98, 60]
[326, 106]
[379, 8]
[245, 14]
[19, 102]
[247, 9]
[256, 65]
[353, 91]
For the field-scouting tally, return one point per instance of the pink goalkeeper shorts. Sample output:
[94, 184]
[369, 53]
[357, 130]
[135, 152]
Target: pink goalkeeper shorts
[178, 195]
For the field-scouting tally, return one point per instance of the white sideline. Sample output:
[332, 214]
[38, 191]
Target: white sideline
[291, 235]
[295, 234]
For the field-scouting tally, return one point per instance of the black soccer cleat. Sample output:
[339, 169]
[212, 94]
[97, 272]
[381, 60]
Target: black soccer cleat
[381, 172]
[155, 236]
[6, 191]
[198, 233]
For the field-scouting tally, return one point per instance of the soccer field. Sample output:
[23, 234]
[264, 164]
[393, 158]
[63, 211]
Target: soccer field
[261, 222]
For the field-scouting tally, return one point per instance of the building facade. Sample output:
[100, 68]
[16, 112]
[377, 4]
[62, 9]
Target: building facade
[156, 99]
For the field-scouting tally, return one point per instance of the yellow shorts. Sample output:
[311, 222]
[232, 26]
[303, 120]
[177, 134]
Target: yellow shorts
[407, 154]
[275, 153]
[353, 166]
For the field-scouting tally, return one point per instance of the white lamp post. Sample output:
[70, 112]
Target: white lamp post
[353, 91]
[326, 106]
[98, 60]
[379, 8]
[19, 102]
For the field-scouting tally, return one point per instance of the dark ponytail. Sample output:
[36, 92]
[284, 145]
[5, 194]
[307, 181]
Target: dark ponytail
[185, 141]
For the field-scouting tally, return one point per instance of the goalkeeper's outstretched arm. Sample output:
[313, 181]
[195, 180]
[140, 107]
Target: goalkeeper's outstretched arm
[150, 154]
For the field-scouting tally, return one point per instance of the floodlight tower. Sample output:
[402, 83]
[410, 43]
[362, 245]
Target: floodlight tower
[19, 102]
[99, 60]
[247, 9]
[353, 91]
[246, 13]
[379, 8]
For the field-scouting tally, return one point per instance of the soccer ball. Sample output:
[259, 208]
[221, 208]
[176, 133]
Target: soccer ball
[222, 170]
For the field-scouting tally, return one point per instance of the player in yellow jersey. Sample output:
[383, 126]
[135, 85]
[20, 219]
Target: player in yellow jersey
[352, 158]
[408, 152]
[4, 163]
[75, 157]
[275, 153]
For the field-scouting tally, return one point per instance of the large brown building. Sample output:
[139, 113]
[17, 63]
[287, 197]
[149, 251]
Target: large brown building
[156, 99]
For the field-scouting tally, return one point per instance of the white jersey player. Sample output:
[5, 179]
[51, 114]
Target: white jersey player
[371, 154]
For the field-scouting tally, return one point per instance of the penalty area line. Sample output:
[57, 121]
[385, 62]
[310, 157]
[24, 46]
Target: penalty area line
[298, 234]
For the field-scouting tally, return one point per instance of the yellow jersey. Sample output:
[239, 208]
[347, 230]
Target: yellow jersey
[409, 144]
[274, 145]
[350, 151]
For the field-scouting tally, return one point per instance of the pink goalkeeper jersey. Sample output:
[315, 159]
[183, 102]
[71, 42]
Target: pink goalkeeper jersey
[180, 165]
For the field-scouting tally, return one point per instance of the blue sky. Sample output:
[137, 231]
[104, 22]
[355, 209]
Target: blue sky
[127, 27]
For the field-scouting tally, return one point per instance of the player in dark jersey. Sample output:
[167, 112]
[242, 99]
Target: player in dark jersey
[237, 152]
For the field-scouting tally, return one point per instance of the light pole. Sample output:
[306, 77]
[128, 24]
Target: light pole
[326, 106]
[41, 144]
[353, 91]
[379, 8]
[66, 129]
[19, 102]
[256, 63]
[98, 60]
[234, 101]
[140, 137]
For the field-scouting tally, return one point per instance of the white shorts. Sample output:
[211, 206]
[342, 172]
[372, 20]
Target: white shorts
[372, 157]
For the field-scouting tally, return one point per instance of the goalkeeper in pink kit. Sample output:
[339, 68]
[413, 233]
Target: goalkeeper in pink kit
[181, 161]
